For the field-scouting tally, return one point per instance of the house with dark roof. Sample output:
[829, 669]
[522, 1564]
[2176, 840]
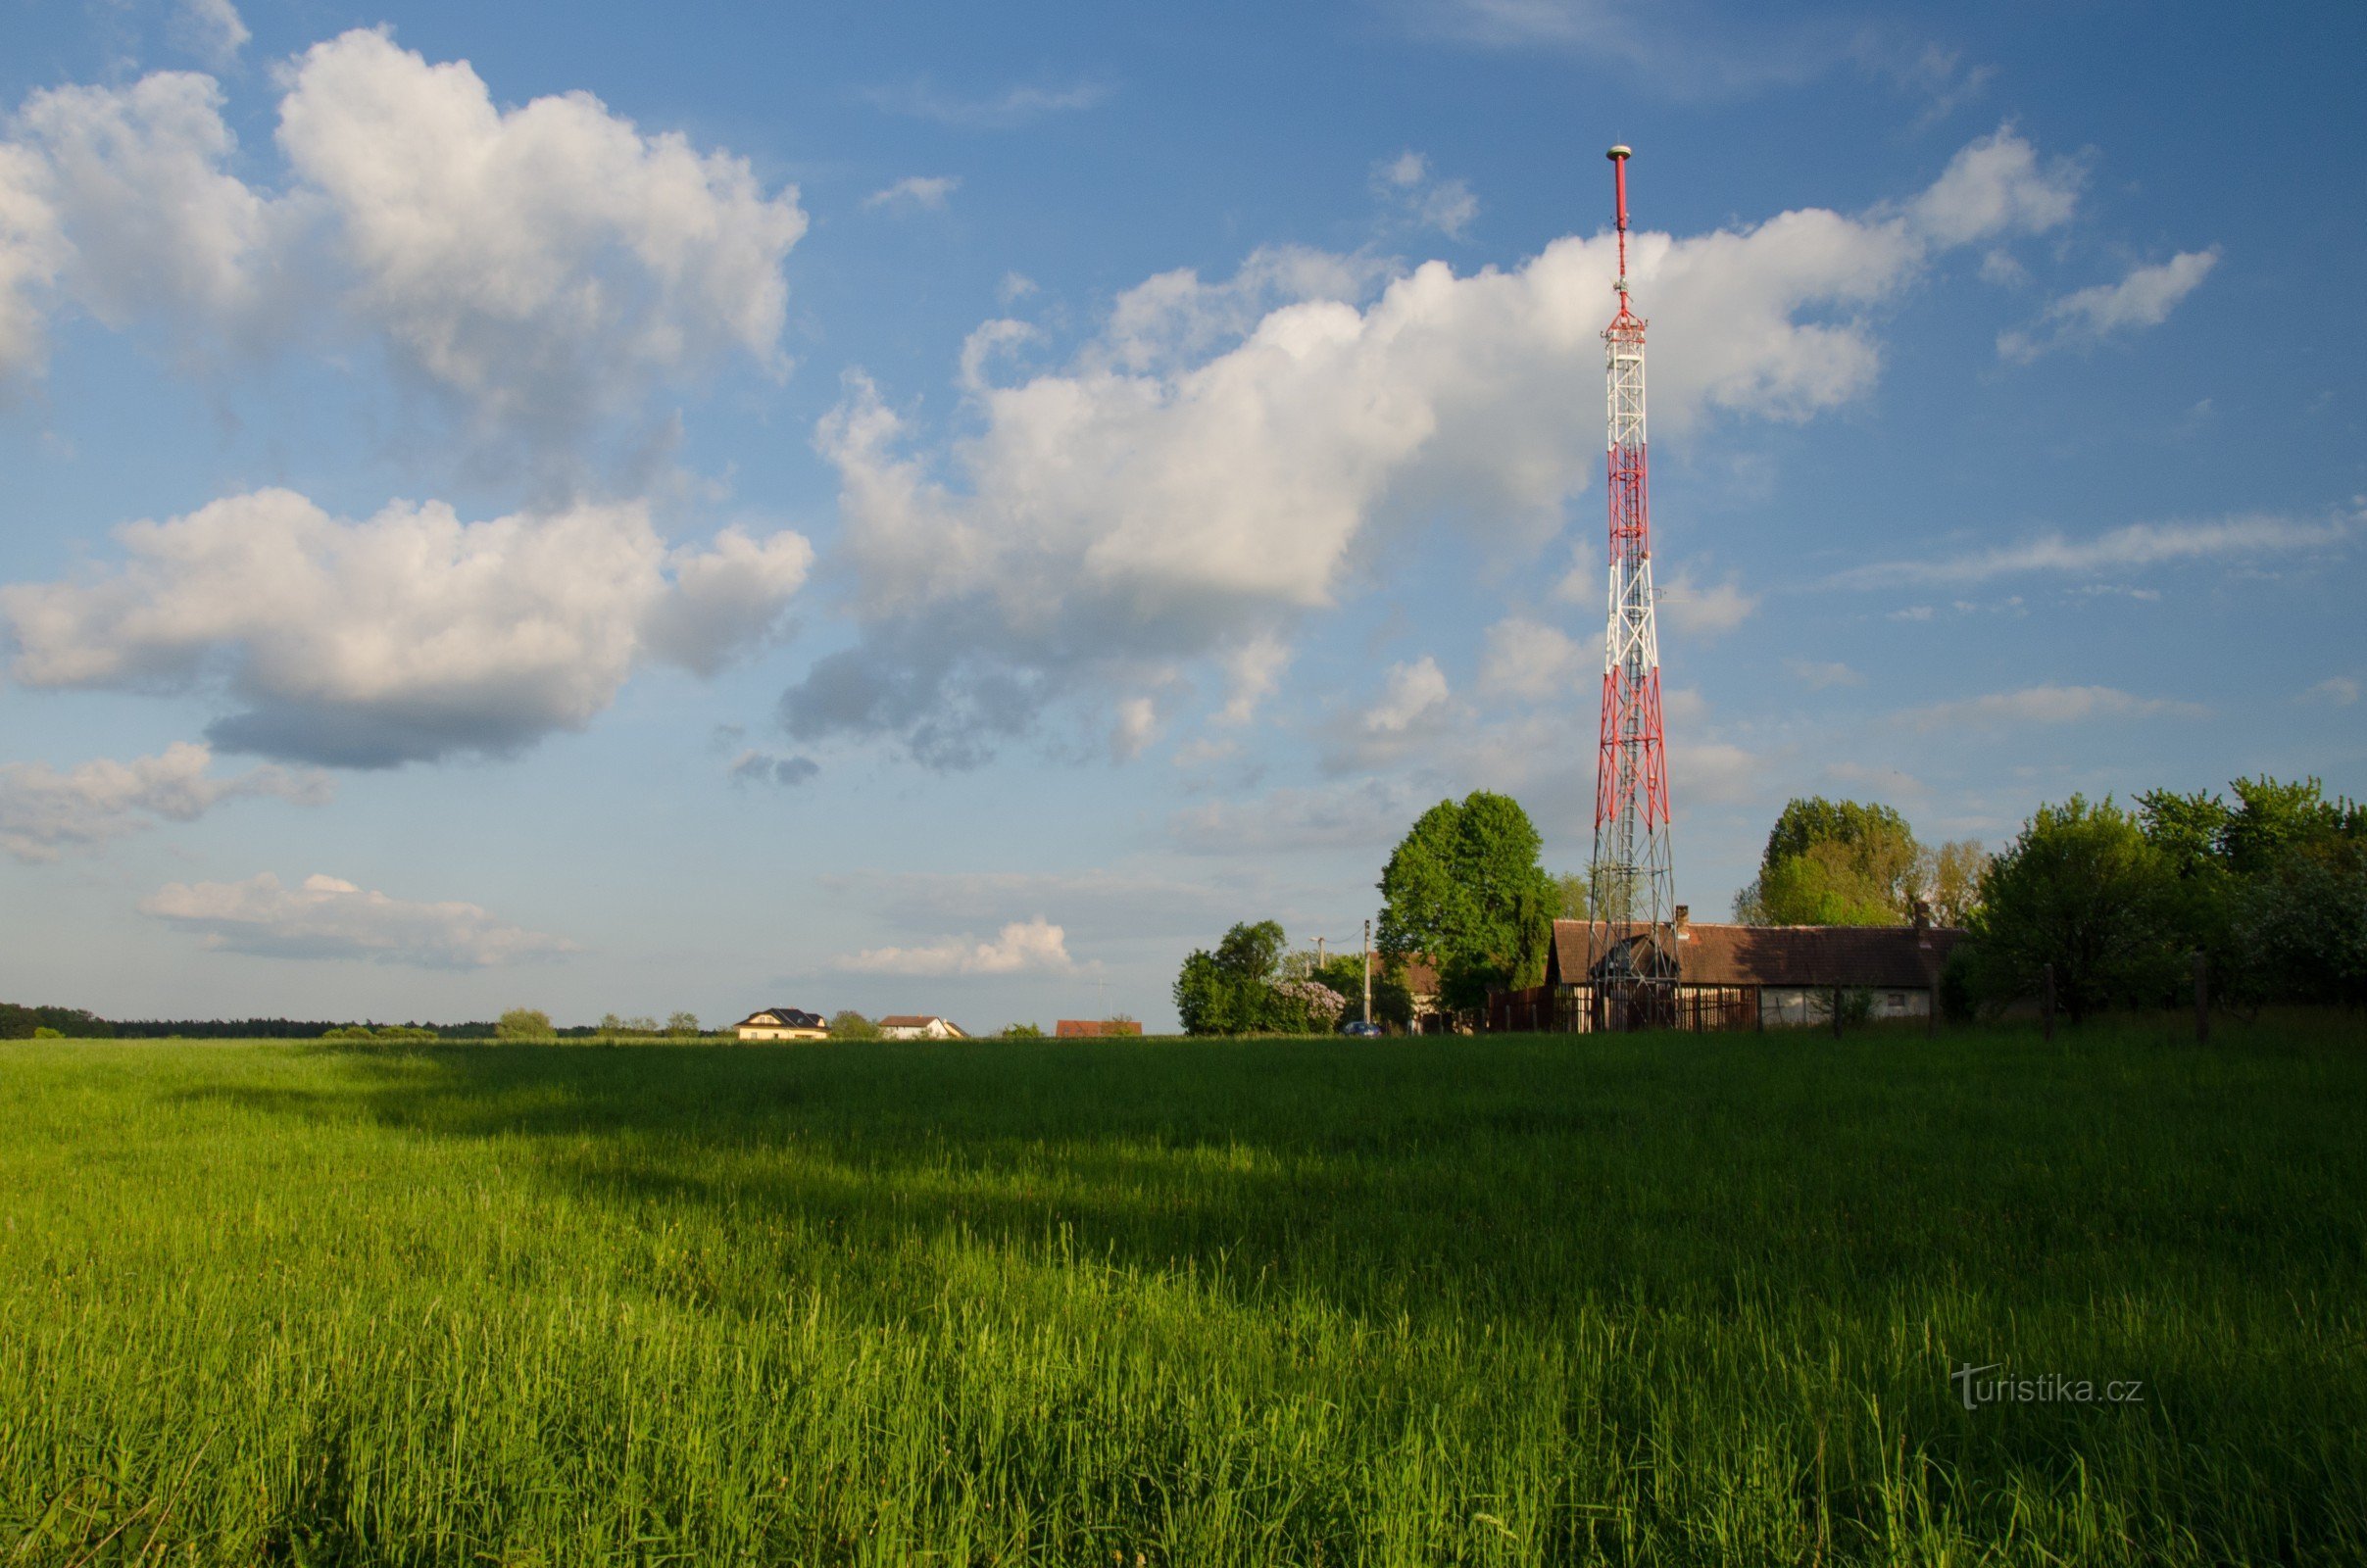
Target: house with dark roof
[919, 1027]
[783, 1023]
[1734, 976]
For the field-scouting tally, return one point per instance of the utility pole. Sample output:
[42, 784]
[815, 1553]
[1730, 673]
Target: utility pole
[1319, 952]
[1368, 971]
[1632, 871]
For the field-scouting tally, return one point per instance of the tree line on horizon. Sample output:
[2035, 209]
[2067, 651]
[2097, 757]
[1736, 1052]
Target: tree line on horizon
[2105, 904]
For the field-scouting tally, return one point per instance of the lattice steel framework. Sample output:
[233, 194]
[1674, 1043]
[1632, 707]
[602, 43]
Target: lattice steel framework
[1634, 884]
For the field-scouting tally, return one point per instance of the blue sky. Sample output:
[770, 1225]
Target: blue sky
[945, 508]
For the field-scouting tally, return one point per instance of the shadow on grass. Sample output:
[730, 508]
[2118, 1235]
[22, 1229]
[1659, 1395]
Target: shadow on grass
[1507, 1178]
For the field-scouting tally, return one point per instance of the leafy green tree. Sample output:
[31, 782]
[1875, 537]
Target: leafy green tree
[1231, 991]
[1021, 1031]
[1835, 863]
[682, 1023]
[1950, 879]
[525, 1023]
[1465, 888]
[2081, 889]
[2248, 874]
[849, 1024]
[1575, 900]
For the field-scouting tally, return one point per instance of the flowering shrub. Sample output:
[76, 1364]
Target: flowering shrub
[1321, 1004]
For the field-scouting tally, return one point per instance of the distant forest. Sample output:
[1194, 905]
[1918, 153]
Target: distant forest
[18, 1022]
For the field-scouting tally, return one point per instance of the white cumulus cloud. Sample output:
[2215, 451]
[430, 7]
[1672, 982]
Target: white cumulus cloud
[210, 30]
[325, 917]
[44, 811]
[542, 267]
[2143, 298]
[409, 635]
[1224, 459]
[1534, 661]
[1024, 946]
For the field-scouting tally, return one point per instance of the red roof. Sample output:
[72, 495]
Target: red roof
[1087, 1028]
[1892, 957]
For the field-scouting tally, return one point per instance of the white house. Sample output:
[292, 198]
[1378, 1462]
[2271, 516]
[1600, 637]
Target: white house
[783, 1023]
[919, 1026]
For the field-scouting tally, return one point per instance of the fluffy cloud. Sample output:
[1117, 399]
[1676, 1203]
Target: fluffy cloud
[1406, 183]
[1024, 948]
[1994, 187]
[32, 252]
[210, 30]
[1224, 459]
[541, 266]
[2338, 691]
[2145, 298]
[531, 260]
[411, 635]
[328, 918]
[2046, 705]
[926, 191]
[1531, 660]
[1707, 609]
[2140, 544]
[155, 220]
[44, 813]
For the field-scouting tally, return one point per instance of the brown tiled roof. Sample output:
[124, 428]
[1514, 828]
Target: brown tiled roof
[1896, 957]
[1088, 1028]
[907, 1020]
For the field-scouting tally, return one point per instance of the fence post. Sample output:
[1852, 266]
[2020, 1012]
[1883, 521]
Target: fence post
[2046, 1002]
[2203, 999]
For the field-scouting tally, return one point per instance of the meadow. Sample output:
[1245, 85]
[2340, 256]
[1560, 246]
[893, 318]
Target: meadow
[1513, 1300]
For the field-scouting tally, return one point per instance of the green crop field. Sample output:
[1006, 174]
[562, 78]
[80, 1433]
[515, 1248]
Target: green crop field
[1185, 1303]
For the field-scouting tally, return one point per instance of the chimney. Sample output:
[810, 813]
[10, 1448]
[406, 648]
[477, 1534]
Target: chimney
[1683, 922]
[1923, 923]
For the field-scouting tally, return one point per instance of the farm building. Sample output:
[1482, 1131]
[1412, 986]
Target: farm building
[919, 1026]
[1094, 1028]
[783, 1023]
[1742, 976]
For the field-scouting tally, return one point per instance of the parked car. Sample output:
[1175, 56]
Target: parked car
[1360, 1029]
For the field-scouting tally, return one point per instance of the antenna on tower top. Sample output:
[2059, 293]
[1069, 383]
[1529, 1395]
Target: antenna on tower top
[1619, 155]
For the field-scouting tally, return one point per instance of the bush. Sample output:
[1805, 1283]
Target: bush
[525, 1023]
[1021, 1031]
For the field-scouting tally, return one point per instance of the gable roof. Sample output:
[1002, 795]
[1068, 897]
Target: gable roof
[1892, 957]
[782, 1018]
[912, 1020]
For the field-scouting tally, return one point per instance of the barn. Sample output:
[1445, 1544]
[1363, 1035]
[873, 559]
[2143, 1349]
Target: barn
[1737, 976]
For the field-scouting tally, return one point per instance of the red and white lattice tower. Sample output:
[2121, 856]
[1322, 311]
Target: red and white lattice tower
[1634, 965]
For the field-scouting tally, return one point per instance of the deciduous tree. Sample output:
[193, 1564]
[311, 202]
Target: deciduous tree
[1465, 889]
[2083, 890]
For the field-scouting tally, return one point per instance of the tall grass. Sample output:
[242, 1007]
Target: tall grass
[1505, 1301]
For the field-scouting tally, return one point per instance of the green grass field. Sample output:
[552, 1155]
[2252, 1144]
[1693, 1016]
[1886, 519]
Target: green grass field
[1505, 1301]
